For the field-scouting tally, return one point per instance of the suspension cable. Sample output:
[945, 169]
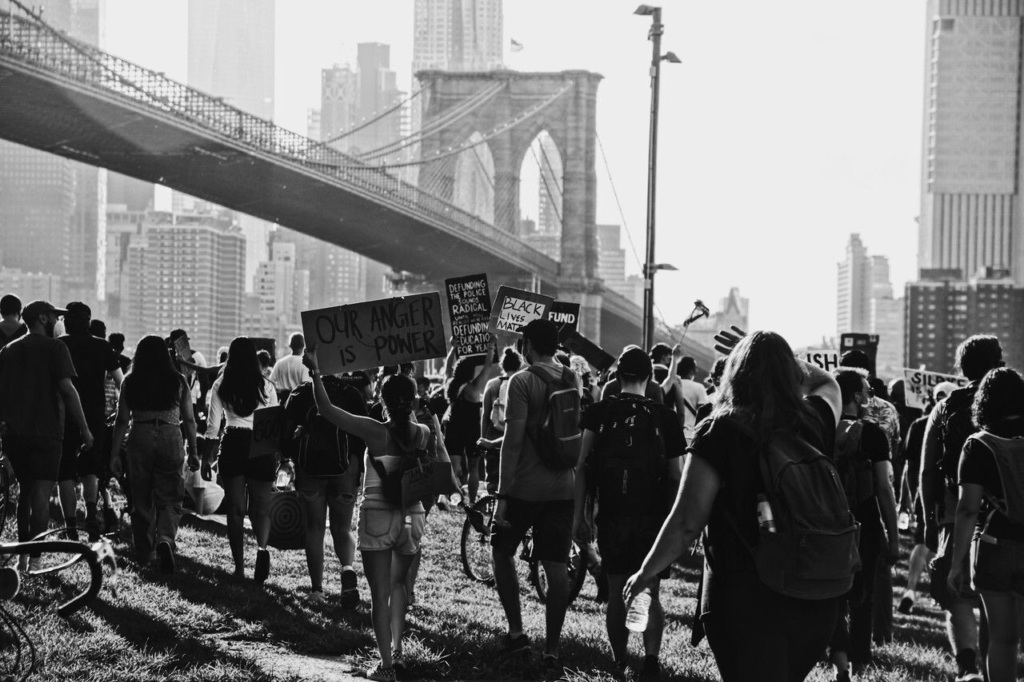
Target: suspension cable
[374, 119]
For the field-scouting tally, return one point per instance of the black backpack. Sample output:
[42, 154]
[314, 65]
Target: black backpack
[957, 427]
[317, 446]
[627, 470]
[412, 455]
[855, 471]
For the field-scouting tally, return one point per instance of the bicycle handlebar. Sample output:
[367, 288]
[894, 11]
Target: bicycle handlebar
[97, 555]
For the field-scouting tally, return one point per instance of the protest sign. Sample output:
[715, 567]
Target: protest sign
[183, 348]
[565, 314]
[918, 385]
[515, 308]
[469, 305]
[266, 431]
[375, 333]
[866, 343]
[576, 343]
[826, 358]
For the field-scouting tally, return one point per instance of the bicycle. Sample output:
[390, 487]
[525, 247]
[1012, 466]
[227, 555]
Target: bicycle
[478, 563]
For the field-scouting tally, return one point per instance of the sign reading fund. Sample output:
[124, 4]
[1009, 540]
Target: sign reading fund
[469, 305]
[565, 314]
[515, 308]
[375, 333]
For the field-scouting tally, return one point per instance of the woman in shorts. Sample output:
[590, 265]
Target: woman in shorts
[986, 512]
[389, 536]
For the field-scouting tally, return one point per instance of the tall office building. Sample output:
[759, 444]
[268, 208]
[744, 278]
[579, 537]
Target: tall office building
[970, 195]
[185, 271]
[854, 286]
[339, 104]
[458, 35]
[282, 292]
[231, 55]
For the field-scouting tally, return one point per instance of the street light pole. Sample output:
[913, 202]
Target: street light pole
[652, 165]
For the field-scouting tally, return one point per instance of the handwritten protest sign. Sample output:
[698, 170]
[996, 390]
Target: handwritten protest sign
[183, 348]
[826, 358]
[515, 308]
[565, 314]
[469, 305]
[374, 333]
[576, 343]
[266, 431]
[918, 385]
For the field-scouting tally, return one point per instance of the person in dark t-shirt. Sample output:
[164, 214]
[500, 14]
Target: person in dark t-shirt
[11, 327]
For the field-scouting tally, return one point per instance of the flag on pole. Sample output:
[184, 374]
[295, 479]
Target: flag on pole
[516, 45]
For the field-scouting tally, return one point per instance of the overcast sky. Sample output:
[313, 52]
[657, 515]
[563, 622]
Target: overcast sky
[788, 126]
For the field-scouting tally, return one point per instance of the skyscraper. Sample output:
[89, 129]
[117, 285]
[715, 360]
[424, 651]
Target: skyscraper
[231, 55]
[458, 35]
[853, 300]
[970, 196]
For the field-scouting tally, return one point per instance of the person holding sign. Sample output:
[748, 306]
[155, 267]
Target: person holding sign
[389, 535]
[235, 396]
[465, 398]
[156, 401]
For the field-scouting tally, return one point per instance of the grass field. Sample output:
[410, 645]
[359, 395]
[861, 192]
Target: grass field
[199, 625]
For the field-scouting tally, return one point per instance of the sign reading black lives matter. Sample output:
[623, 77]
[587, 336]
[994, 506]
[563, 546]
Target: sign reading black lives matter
[375, 333]
[469, 303]
[565, 315]
[516, 308]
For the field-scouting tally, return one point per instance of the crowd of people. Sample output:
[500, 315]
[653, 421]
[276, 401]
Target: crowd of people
[797, 481]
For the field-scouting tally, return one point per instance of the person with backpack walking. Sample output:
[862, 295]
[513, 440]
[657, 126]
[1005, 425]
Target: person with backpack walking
[991, 509]
[390, 529]
[862, 458]
[780, 543]
[327, 473]
[629, 467]
[949, 426]
[235, 396]
[536, 485]
[492, 417]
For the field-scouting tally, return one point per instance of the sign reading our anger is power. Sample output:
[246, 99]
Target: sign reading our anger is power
[513, 309]
[376, 333]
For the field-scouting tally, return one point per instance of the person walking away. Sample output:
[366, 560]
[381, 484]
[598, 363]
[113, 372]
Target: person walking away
[327, 473]
[920, 554]
[93, 358]
[661, 380]
[37, 396]
[535, 487]
[289, 373]
[389, 535]
[492, 416]
[772, 619]
[862, 458]
[991, 509]
[11, 326]
[630, 465]
[465, 399]
[241, 390]
[948, 428]
[690, 396]
[154, 408]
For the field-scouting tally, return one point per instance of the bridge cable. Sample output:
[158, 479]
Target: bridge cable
[374, 119]
[547, 189]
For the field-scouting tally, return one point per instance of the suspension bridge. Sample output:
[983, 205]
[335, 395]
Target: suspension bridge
[75, 100]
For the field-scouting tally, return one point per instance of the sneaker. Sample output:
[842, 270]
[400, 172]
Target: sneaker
[379, 672]
[842, 676]
[398, 661]
[651, 672]
[906, 606]
[262, 570]
[166, 556]
[970, 675]
[316, 596]
[517, 644]
[442, 502]
[349, 589]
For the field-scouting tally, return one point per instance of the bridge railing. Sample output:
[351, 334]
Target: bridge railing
[24, 39]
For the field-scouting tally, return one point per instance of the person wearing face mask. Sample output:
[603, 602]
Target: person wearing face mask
[36, 394]
[862, 458]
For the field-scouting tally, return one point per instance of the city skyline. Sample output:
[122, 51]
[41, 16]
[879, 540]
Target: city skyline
[781, 145]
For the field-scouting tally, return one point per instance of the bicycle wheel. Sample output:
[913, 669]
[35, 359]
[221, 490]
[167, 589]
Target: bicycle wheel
[577, 568]
[475, 549]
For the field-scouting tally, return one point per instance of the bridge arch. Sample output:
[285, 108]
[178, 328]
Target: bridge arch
[473, 178]
[541, 188]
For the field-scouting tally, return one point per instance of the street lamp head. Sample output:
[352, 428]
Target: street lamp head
[672, 58]
[646, 10]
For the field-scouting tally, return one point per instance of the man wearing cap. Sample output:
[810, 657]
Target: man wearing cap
[36, 391]
[532, 495]
[93, 358]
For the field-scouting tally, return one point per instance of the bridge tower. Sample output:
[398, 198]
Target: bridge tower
[570, 120]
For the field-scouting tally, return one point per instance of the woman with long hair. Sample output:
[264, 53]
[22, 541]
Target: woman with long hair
[389, 536]
[754, 632]
[987, 466]
[465, 406]
[154, 406]
[236, 394]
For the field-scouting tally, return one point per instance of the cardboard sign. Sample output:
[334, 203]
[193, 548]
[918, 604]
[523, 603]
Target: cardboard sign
[375, 333]
[469, 305]
[266, 431]
[576, 343]
[826, 358]
[919, 384]
[565, 314]
[515, 308]
[866, 343]
[183, 348]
